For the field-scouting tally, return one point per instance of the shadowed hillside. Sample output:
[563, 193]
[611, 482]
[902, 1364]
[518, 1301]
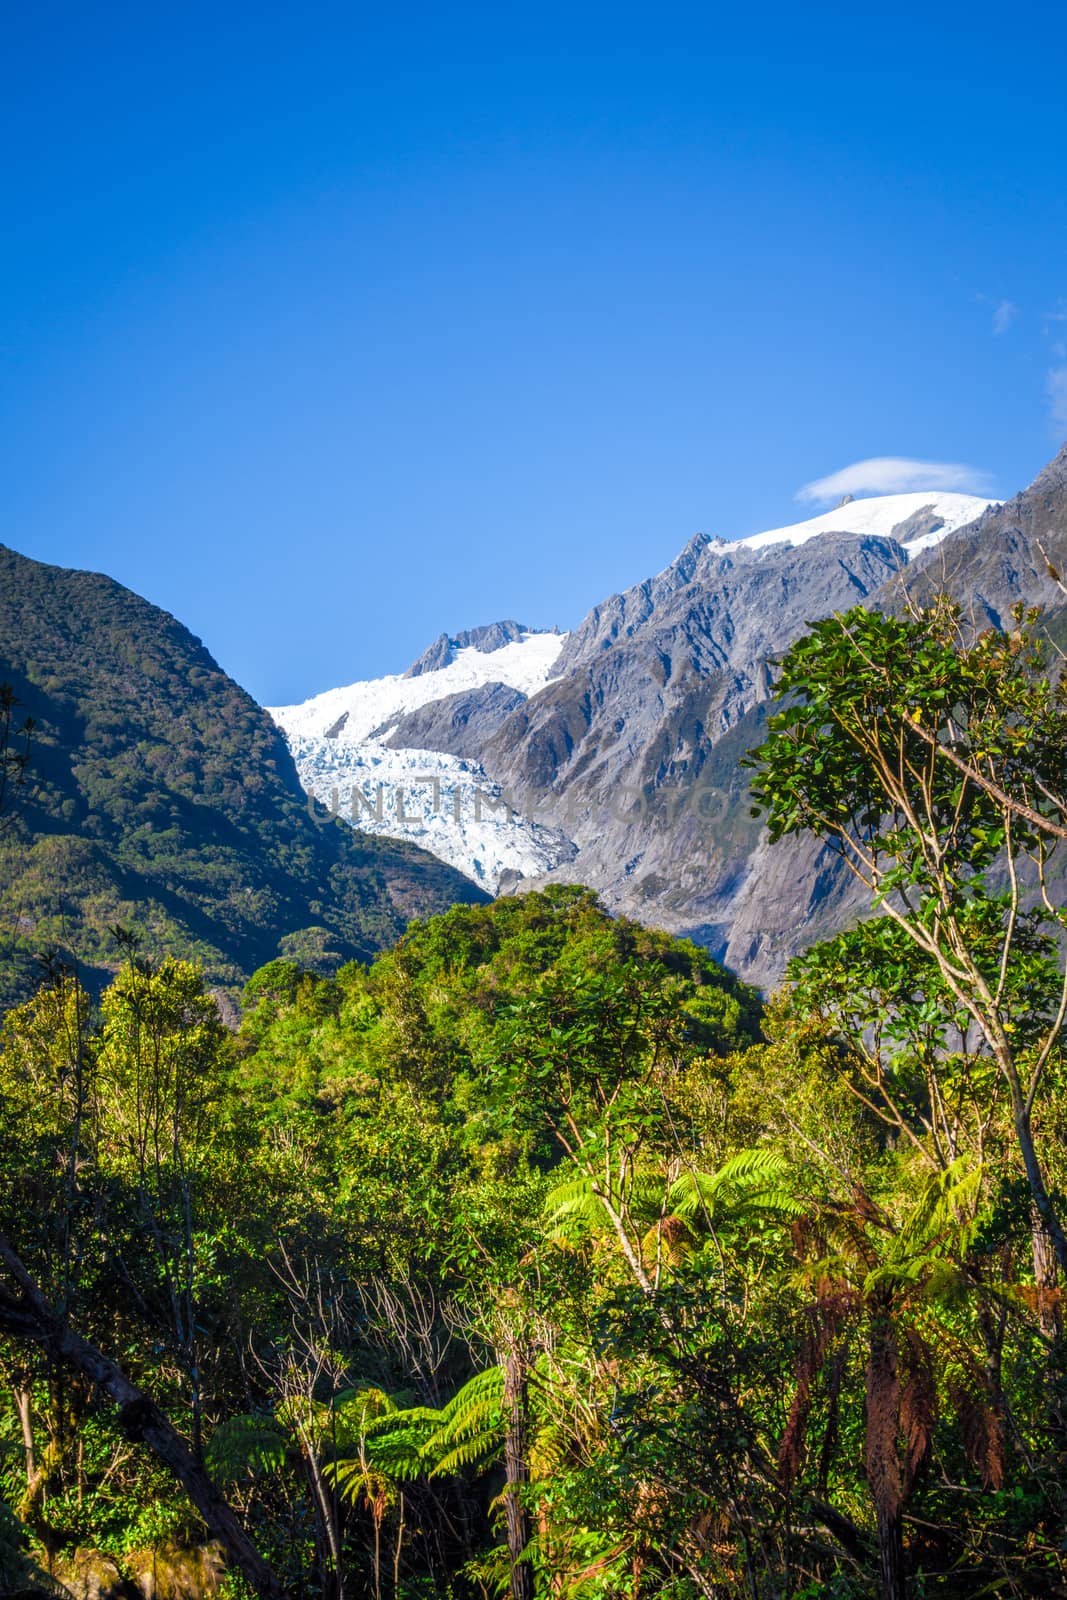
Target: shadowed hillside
[158, 783]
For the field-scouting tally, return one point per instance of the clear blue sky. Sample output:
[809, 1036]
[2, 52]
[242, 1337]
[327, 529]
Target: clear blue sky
[331, 328]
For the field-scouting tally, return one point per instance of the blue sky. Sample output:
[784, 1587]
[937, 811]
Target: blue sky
[331, 328]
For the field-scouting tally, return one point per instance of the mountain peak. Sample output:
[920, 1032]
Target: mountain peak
[487, 638]
[1053, 476]
[685, 564]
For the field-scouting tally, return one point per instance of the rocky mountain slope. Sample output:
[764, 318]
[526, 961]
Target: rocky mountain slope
[610, 755]
[1004, 556]
[633, 749]
[792, 891]
[161, 795]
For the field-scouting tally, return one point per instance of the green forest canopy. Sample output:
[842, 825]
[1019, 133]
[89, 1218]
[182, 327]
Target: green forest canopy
[540, 1257]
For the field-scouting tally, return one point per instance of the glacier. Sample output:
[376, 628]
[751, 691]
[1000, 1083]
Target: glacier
[446, 805]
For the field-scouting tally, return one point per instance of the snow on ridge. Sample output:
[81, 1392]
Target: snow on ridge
[878, 516]
[526, 664]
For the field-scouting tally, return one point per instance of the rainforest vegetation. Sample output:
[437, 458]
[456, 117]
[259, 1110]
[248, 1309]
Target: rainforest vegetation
[540, 1257]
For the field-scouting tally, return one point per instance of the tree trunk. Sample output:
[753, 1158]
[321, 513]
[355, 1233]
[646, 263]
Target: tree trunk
[334, 1585]
[1046, 1278]
[24, 1407]
[884, 1477]
[517, 1470]
[27, 1316]
[891, 1554]
[1024, 1133]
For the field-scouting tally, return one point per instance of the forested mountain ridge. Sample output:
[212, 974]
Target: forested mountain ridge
[159, 791]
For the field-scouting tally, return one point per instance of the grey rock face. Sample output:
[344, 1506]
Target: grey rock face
[918, 524]
[662, 673]
[633, 749]
[459, 724]
[1003, 557]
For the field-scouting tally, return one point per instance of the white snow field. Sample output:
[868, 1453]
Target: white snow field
[878, 516]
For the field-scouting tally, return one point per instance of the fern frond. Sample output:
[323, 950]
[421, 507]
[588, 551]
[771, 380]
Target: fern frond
[749, 1183]
[471, 1425]
[549, 1452]
[574, 1209]
[488, 1384]
[479, 1450]
[669, 1240]
[944, 1212]
[245, 1446]
[358, 1409]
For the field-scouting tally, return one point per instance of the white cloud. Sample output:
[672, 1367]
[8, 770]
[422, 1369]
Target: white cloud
[896, 475]
[1056, 385]
[1004, 316]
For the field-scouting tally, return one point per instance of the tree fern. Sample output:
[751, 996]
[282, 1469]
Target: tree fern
[751, 1183]
[388, 1444]
[249, 1445]
[932, 1241]
[471, 1429]
[578, 1207]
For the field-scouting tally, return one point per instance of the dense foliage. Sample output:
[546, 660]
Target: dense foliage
[540, 1258]
[162, 794]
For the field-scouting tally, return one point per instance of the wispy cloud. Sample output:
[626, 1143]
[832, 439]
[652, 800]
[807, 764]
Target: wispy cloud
[1003, 317]
[897, 475]
[1056, 386]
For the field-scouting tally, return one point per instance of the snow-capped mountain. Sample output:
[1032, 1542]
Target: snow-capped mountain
[404, 755]
[368, 710]
[609, 755]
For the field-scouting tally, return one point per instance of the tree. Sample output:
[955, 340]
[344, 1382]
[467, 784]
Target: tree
[27, 1317]
[16, 737]
[158, 1072]
[102, 1154]
[901, 1287]
[934, 767]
